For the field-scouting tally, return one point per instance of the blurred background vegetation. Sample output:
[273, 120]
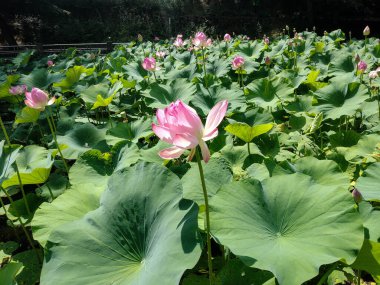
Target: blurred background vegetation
[73, 21]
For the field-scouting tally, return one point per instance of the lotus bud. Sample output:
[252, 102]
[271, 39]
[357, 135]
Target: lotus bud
[18, 90]
[314, 29]
[149, 64]
[357, 58]
[373, 74]
[50, 63]
[366, 31]
[227, 37]
[237, 62]
[266, 40]
[287, 27]
[325, 33]
[357, 195]
[267, 60]
[362, 66]
[140, 38]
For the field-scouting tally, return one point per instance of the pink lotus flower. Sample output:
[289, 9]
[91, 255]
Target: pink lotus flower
[266, 40]
[362, 66]
[18, 90]
[201, 41]
[180, 125]
[227, 37]
[50, 63]
[149, 64]
[178, 41]
[373, 74]
[160, 54]
[237, 62]
[366, 31]
[38, 99]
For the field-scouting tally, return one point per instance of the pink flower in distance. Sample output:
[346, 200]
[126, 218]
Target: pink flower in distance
[180, 125]
[178, 41]
[38, 99]
[366, 31]
[362, 66]
[160, 54]
[373, 74]
[200, 40]
[227, 37]
[149, 64]
[266, 40]
[18, 90]
[267, 60]
[237, 62]
[50, 63]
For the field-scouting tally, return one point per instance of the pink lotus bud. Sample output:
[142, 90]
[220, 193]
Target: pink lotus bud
[156, 38]
[357, 195]
[287, 27]
[140, 38]
[18, 90]
[366, 31]
[227, 37]
[266, 40]
[357, 58]
[267, 60]
[160, 54]
[50, 63]
[38, 99]
[362, 66]
[237, 62]
[149, 64]
[180, 125]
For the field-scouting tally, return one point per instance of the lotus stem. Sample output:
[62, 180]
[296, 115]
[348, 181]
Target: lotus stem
[6, 214]
[22, 225]
[16, 168]
[204, 66]
[207, 211]
[109, 116]
[56, 142]
[249, 149]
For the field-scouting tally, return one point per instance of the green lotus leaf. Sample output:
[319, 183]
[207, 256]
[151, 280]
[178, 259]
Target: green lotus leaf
[80, 139]
[340, 99]
[143, 233]
[4, 86]
[218, 67]
[102, 102]
[371, 217]
[246, 132]
[23, 58]
[55, 186]
[72, 205]
[287, 222]
[341, 64]
[97, 95]
[93, 166]
[217, 172]
[30, 273]
[7, 158]
[205, 99]
[369, 259]
[27, 115]
[41, 78]
[160, 95]
[366, 150]
[34, 164]
[73, 75]
[131, 131]
[268, 93]
[368, 183]
[8, 273]
[323, 172]
[136, 71]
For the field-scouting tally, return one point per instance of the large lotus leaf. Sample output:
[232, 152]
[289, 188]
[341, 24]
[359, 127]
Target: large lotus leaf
[205, 99]
[41, 78]
[340, 99]
[217, 172]
[143, 233]
[100, 95]
[366, 150]
[246, 132]
[7, 158]
[93, 167]
[268, 93]
[287, 222]
[323, 172]
[131, 131]
[80, 139]
[73, 75]
[27, 115]
[34, 164]
[136, 71]
[369, 259]
[218, 67]
[369, 183]
[162, 95]
[23, 58]
[253, 50]
[30, 273]
[341, 64]
[72, 205]
[371, 218]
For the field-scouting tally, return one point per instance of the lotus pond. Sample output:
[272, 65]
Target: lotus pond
[230, 161]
